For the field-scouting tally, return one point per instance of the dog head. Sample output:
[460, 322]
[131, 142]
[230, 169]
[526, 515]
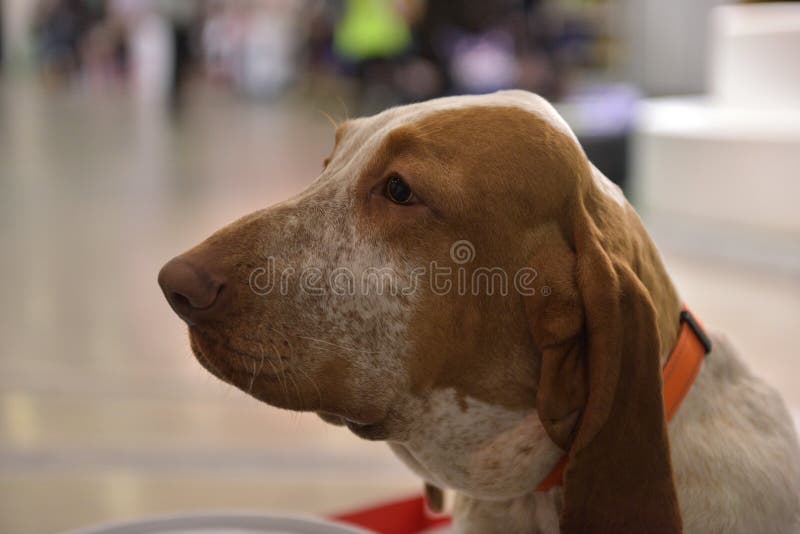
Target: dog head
[460, 252]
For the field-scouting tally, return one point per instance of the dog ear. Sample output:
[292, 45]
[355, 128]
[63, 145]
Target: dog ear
[599, 392]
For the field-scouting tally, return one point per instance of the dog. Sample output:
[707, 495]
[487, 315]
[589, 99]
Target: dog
[357, 299]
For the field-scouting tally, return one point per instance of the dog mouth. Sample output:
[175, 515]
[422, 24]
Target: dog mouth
[270, 380]
[238, 367]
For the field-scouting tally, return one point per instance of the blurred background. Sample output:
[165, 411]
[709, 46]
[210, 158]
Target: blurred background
[131, 129]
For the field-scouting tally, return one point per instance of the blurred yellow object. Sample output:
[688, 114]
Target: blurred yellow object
[371, 29]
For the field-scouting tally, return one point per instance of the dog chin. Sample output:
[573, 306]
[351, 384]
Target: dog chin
[373, 432]
[376, 431]
[266, 390]
[204, 360]
[333, 419]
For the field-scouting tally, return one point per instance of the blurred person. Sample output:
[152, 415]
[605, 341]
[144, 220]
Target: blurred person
[467, 41]
[464, 39]
[160, 43]
[480, 47]
[483, 63]
[371, 37]
[221, 38]
[181, 17]
[150, 47]
[270, 47]
[254, 45]
[59, 29]
[319, 39]
[104, 53]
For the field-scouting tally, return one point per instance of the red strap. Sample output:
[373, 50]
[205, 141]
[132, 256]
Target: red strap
[555, 476]
[683, 364]
[411, 516]
[682, 367]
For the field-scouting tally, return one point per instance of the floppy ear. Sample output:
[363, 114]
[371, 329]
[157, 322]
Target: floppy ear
[599, 390]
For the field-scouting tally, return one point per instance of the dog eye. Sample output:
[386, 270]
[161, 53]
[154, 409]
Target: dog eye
[398, 191]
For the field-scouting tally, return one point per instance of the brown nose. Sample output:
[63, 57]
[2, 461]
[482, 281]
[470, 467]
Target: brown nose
[191, 290]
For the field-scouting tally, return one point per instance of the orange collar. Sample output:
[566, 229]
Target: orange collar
[679, 372]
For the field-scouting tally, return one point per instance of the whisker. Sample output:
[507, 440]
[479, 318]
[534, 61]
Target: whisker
[286, 369]
[263, 357]
[344, 107]
[283, 372]
[349, 349]
[296, 388]
[252, 378]
[277, 374]
[330, 119]
[308, 377]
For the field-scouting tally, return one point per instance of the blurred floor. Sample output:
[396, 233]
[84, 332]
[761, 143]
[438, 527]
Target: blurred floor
[104, 414]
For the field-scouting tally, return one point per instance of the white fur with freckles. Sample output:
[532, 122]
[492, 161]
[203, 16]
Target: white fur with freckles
[480, 449]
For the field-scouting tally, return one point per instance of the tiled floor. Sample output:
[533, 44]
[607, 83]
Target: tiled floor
[104, 414]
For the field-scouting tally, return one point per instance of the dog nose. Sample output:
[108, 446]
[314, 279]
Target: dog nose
[191, 290]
